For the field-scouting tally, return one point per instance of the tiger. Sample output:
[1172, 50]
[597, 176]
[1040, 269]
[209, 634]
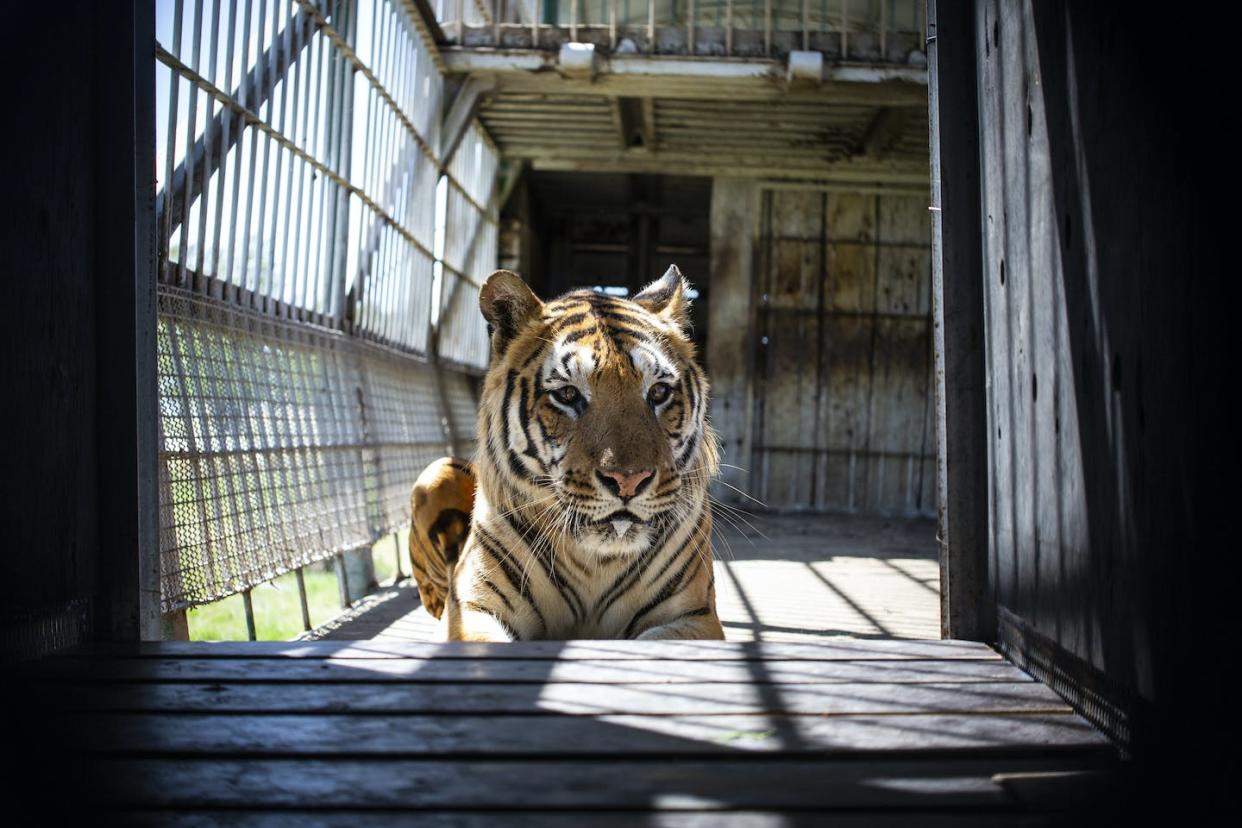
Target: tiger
[591, 516]
[440, 505]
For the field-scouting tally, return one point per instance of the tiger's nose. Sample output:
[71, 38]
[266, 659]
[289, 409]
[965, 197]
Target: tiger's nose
[624, 484]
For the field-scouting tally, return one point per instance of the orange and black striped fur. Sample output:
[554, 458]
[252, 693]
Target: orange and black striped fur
[440, 505]
[591, 517]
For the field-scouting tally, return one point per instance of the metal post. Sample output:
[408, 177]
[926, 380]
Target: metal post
[845, 22]
[767, 27]
[729, 28]
[306, 622]
[690, 27]
[249, 607]
[612, 25]
[342, 580]
[573, 20]
[396, 546]
[806, 25]
[496, 12]
[651, 26]
[884, 30]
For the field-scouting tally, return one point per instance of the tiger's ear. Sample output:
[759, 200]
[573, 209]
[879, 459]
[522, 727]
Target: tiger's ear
[507, 304]
[666, 297]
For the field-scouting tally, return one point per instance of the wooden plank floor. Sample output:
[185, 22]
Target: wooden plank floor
[778, 578]
[871, 732]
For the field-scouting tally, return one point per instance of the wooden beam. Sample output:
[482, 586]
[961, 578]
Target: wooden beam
[967, 610]
[639, 76]
[462, 111]
[699, 163]
[126, 397]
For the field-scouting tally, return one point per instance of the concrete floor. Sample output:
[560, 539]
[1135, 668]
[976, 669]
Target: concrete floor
[784, 578]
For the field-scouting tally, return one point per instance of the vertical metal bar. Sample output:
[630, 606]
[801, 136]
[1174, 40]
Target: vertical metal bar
[534, 24]
[276, 119]
[728, 28]
[461, 22]
[845, 24]
[884, 29]
[243, 279]
[199, 268]
[306, 622]
[573, 20]
[651, 44]
[328, 192]
[345, 140]
[267, 93]
[302, 246]
[309, 278]
[249, 607]
[806, 25]
[190, 132]
[236, 228]
[226, 123]
[690, 27]
[262, 82]
[767, 27]
[293, 227]
[342, 580]
[396, 547]
[496, 12]
[612, 25]
[170, 146]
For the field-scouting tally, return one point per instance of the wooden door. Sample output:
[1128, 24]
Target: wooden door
[843, 392]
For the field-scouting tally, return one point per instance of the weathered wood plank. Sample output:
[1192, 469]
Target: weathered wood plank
[652, 699]
[444, 783]
[521, 671]
[842, 649]
[608, 735]
[596, 819]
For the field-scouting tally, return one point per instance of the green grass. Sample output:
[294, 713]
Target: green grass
[277, 614]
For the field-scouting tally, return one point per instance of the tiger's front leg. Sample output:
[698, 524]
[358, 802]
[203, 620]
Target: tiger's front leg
[704, 627]
[468, 624]
[479, 608]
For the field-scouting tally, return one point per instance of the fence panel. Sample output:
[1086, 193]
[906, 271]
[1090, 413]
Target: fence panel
[297, 230]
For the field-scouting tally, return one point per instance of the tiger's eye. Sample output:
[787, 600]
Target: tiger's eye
[659, 393]
[566, 394]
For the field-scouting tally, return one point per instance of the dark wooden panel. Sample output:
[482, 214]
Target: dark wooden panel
[722, 784]
[841, 649]
[653, 699]
[596, 819]
[78, 453]
[1108, 352]
[609, 736]
[518, 670]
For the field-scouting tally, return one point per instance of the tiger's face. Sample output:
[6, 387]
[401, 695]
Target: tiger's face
[600, 410]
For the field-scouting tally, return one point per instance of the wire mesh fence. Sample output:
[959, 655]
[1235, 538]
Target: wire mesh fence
[298, 152]
[281, 445]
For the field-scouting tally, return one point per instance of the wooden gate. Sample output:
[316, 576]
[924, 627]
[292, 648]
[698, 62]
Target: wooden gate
[843, 352]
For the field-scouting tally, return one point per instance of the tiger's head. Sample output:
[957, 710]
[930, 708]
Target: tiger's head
[594, 413]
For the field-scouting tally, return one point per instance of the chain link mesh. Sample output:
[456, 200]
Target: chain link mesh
[280, 445]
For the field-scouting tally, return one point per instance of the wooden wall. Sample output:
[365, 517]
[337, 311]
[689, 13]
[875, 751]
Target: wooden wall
[1105, 364]
[839, 349]
[78, 379]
